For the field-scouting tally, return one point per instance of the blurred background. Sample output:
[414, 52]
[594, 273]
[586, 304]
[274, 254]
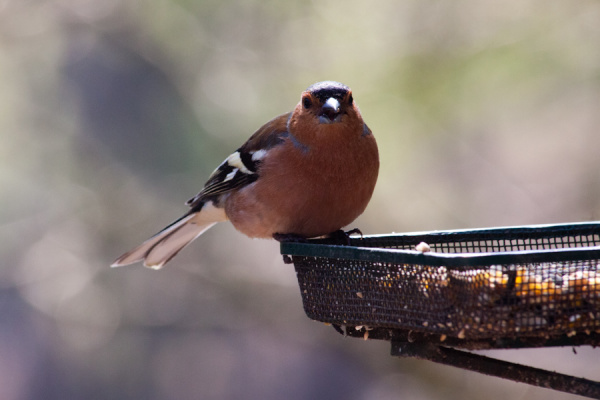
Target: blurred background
[113, 113]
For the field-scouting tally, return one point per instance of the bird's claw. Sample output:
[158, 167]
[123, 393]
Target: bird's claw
[343, 237]
[354, 231]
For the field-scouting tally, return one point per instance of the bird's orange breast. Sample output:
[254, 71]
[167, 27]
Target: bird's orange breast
[309, 188]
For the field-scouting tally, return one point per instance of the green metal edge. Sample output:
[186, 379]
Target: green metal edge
[439, 259]
[518, 229]
[452, 259]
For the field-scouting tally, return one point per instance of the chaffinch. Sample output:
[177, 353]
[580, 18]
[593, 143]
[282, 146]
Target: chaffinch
[303, 174]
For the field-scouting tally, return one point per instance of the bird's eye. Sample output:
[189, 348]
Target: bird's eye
[350, 99]
[306, 102]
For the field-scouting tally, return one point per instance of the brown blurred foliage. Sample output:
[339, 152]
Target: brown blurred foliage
[113, 113]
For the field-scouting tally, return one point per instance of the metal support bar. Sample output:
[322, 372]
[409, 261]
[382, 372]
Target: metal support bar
[498, 368]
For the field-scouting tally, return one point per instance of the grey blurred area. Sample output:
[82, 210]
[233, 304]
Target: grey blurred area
[113, 113]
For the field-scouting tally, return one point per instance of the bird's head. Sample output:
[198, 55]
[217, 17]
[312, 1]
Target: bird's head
[326, 113]
[327, 101]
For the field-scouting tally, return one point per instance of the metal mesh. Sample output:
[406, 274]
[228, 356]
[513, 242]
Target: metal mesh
[530, 293]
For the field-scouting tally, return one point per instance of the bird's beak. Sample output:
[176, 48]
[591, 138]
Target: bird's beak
[330, 112]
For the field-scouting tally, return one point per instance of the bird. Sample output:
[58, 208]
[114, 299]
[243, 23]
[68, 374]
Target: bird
[304, 174]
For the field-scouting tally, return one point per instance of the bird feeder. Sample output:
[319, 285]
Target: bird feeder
[434, 295]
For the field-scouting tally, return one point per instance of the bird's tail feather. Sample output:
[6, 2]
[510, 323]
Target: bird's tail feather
[163, 246]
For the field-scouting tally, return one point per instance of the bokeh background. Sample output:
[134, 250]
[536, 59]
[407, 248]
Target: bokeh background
[114, 112]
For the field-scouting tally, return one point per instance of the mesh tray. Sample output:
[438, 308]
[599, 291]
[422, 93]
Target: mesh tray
[487, 288]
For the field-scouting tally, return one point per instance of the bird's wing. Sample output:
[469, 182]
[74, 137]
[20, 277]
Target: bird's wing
[241, 168]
